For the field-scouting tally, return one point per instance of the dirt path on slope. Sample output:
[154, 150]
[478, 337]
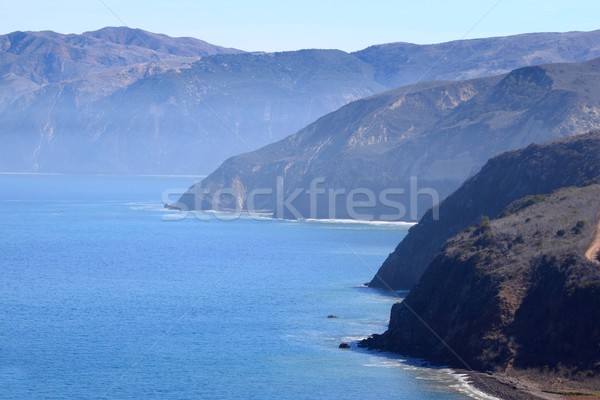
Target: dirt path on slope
[593, 251]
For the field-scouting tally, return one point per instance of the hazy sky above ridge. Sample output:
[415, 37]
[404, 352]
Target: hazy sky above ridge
[270, 25]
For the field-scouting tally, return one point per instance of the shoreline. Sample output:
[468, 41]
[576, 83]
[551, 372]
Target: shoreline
[515, 385]
[356, 221]
[268, 216]
[492, 386]
[91, 174]
[528, 387]
[506, 388]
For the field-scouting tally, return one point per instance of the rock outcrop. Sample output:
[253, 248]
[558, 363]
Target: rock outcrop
[516, 291]
[537, 169]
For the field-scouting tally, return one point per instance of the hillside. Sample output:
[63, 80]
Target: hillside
[193, 119]
[122, 100]
[429, 137]
[513, 293]
[398, 64]
[99, 61]
[537, 169]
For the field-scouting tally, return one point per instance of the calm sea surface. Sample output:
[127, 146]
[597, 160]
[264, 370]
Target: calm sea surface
[103, 294]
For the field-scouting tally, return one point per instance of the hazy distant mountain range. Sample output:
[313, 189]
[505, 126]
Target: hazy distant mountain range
[127, 101]
[93, 63]
[437, 132]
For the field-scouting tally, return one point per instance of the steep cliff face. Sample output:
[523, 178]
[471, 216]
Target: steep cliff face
[513, 292]
[437, 134]
[354, 147]
[537, 169]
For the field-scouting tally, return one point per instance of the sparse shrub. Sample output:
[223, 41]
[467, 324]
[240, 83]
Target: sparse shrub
[519, 240]
[483, 232]
[478, 258]
[561, 233]
[570, 260]
[533, 200]
[578, 227]
[483, 227]
[485, 240]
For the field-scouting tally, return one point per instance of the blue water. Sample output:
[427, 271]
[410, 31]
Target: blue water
[103, 297]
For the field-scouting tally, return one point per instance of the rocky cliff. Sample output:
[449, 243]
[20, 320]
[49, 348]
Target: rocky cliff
[419, 139]
[521, 290]
[537, 169]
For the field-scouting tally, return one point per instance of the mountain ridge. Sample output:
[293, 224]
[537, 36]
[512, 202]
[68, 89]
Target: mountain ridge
[438, 133]
[278, 90]
[545, 47]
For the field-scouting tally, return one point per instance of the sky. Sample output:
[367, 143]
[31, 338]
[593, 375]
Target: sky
[278, 25]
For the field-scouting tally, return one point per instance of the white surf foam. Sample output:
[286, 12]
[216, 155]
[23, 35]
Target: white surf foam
[464, 386]
[362, 222]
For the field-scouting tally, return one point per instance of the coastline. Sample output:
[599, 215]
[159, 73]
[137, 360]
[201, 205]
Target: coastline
[528, 386]
[507, 388]
[268, 216]
[492, 386]
[519, 385]
[458, 380]
[359, 222]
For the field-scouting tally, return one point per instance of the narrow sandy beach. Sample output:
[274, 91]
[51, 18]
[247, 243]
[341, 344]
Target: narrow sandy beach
[594, 249]
[500, 386]
[510, 387]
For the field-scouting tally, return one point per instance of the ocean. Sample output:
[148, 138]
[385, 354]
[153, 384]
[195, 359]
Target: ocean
[105, 295]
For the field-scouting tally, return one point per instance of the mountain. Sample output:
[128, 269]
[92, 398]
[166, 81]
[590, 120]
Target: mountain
[535, 170]
[51, 84]
[399, 64]
[31, 60]
[520, 291]
[224, 105]
[394, 155]
[122, 100]
[186, 120]
[159, 43]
